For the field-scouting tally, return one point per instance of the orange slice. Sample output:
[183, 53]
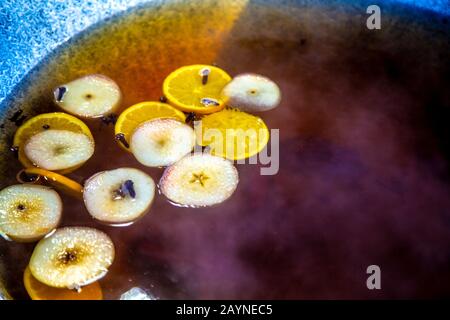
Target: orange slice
[45, 121]
[58, 181]
[39, 291]
[139, 113]
[187, 89]
[232, 134]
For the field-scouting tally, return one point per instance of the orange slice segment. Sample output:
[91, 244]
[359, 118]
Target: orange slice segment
[139, 113]
[196, 88]
[39, 291]
[58, 181]
[232, 134]
[45, 121]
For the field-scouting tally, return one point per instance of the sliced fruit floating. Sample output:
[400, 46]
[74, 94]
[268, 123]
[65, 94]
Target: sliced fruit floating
[196, 88]
[199, 180]
[252, 93]
[59, 149]
[91, 96]
[58, 181]
[120, 196]
[139, 113]
[39, 291]
[72, 257]
[49, 121]
[28, 212]
[232, 134]
[161, 142]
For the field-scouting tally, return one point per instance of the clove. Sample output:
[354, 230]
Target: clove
[18, 118]
[126, 188]
[121, 137]
[15, 151]
[190, 117]
[205, 73]
[110, 119]
[24, 177]
[209, 102]
[59, 93]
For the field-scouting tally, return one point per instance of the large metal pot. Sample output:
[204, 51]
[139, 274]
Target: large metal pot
[364, 154]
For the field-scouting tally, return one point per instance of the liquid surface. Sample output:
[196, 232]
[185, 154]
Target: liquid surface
[364, 155]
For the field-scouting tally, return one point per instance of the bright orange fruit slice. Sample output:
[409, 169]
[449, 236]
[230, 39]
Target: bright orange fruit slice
[39, 291]
[45, 121]
[232, 134]
[139, 113]
[58, 181]
[196, 88]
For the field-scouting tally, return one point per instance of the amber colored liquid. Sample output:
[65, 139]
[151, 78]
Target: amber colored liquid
[363, 160]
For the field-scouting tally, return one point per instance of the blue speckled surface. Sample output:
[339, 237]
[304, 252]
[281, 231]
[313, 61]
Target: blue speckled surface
[31, 29]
